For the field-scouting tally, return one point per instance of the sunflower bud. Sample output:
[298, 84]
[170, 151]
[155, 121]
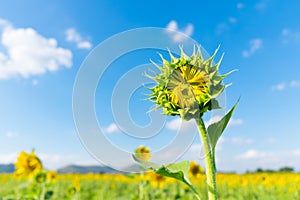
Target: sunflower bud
[143, 153]
[188, 86]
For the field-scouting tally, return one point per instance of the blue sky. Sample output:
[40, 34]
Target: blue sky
[43, 44]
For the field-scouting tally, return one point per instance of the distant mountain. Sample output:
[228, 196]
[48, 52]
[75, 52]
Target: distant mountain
[76, 169]
[7, 168]
[132, 168]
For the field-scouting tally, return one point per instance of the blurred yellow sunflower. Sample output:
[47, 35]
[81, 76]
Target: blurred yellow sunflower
[51, 176]
[40, 177]
[158, 181]
[28, 165]
[143, 153]
[195, 169]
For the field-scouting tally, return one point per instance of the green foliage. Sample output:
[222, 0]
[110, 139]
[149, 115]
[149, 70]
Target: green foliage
[177, 171]
[14, 189]
[286, 169]
[282, 169]
[215, 130]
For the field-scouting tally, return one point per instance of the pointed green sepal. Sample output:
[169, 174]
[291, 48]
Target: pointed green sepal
[215, 130]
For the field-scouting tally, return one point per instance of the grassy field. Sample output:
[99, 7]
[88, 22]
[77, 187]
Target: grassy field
[266, 186]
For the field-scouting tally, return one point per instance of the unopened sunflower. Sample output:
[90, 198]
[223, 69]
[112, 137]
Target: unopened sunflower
[143, 153]
[188, 86]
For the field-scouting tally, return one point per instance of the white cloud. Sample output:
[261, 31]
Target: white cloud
[26, 53]
[222, 27]
[55, 161]
[240, 5]
[264, 158]
[196, 148]
[222, 140]
[35, 82]
[10, 134]
[254, 44]
[172, 25]
[272, 160]
[73, 36]
[188, 30]
[196, 153]
[294, 83]
[84, 45]
[271, 141]
[232, 20]
[216, 118]
[9, 157]
[252, 154]
[285, 32]
[282, 86]
[261, 5]
[235, 140]
[290, 36]
[279, 87]
[234, 122]
[112, 128]
[241, 141]
[178, 123]
[252, 158]
[249, 141]
[174, 124]
[213, 119]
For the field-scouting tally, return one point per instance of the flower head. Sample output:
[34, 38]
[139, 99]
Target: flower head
[28, 165]
[143, 153]
[51, 176]
[195, 169]
[188, 86]
[158, 180]
[75, 187]
[40, 177]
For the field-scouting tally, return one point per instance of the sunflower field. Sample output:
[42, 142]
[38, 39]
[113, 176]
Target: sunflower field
[31, 181]
[119, 186]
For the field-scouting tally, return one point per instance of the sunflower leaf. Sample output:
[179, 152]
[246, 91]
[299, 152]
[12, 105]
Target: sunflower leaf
[177, 171]
[215, 130]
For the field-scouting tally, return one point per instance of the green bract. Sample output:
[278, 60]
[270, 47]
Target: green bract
[188, 86]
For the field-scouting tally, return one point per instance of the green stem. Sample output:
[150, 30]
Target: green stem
[141, 186]
[42, 191]
[209, 161]
[197, 196]
[213, 158]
